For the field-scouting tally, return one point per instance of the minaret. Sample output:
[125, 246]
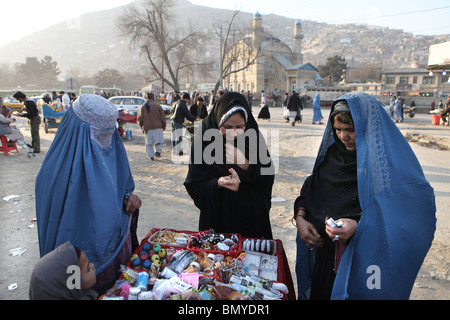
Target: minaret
[258, 32]
[297, 49]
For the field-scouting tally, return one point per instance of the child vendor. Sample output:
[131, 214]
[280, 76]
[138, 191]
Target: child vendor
[63, 274]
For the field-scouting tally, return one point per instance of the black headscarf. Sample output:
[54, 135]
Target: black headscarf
[247, 210]
[332, 190]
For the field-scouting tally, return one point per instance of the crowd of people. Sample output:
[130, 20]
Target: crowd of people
[347, 214]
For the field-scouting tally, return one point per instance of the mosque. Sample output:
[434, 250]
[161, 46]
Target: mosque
[276, 66]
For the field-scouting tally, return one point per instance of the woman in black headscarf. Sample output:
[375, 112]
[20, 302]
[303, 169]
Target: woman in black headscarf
[231, 181]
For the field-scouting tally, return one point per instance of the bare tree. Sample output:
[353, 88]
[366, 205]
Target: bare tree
[235, 47]
[168, 51]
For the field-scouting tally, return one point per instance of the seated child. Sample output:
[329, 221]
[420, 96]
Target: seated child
[54, 278]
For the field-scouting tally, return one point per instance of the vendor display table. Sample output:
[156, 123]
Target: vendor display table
[123, 118]
[218, 267]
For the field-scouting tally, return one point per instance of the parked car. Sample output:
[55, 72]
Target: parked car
[129, 103]
[133, 103]
[166, 109]
[14, 104]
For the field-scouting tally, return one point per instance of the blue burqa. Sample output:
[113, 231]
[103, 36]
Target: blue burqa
[398, 211]
[81, 185]
[317, 116]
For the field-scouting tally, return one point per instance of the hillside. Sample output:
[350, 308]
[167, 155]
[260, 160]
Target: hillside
[92, 41]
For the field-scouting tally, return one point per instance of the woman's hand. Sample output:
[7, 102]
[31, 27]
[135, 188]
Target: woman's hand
[343, 233]
[308, 233]
[132, 204]
[230, 182]
[235, 156]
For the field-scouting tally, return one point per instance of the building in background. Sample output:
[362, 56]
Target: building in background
[439, 67]
[277, 67]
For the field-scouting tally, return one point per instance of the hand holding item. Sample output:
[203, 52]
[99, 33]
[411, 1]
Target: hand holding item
[230, 182]
[132, 203]
[308, 233]
[235, 156]
[344, 232]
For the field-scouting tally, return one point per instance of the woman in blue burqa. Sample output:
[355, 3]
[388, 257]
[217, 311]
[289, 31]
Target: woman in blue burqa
[366, 177]
[84, 190]
[317, 115]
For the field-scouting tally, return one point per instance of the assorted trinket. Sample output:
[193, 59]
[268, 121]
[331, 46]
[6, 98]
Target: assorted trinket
[210, 267]
[212, 241]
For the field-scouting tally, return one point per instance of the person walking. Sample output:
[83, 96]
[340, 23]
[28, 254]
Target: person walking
[33, 117]
[180, 112]
[264, 113]
[152, 121]
[294, 104]
[285, 109]
[317, 116]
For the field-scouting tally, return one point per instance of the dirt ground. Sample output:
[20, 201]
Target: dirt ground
[166, 203]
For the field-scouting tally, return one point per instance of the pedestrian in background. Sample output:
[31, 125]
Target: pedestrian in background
[294, 104]
[317, 116]
[33, 117]
[180, 112]
[152, 121]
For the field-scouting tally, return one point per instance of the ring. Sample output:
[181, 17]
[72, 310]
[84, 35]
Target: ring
[336, 238]
[310, 242]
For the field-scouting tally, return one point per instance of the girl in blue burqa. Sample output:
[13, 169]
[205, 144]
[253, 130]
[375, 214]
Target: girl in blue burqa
[84, 190]
[367, 178]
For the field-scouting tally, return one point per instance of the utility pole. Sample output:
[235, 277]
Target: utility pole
[221, 61]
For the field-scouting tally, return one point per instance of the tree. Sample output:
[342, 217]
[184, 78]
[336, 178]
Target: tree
[334, 68]
[235, 49]
[109, 78]
[44, 72]
[50, 70]
[168, 51]
[7, 76]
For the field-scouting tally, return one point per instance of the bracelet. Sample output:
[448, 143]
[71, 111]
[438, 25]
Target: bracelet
[294, 218]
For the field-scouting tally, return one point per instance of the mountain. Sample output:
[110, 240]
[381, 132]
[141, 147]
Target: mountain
[92, 41]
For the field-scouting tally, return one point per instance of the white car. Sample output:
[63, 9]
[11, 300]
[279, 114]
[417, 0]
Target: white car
[129, 103]
[133, 103]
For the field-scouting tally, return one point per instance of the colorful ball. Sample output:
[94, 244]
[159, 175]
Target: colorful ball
[162, 253]
[147, 264]
[136, 262]
[156, 248]
[146, 247]
[157, 263]
[143, 255]
[155, 257]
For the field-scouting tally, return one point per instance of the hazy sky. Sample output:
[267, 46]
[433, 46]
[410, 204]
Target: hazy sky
[22, 17]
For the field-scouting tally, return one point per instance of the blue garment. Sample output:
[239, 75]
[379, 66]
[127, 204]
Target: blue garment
[398, 211]
[317, 116]
[80, 190]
